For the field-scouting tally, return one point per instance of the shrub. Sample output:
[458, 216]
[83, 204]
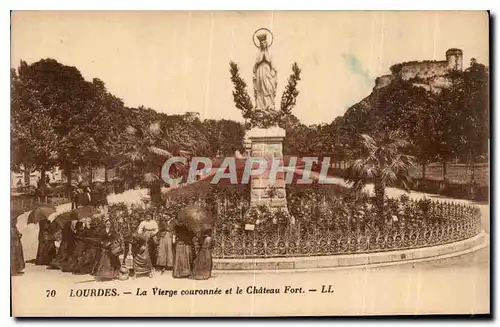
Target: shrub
[330, 208]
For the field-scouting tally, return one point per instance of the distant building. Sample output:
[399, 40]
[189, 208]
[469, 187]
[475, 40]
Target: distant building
[57, 176]
[31, 178]
[429, 74]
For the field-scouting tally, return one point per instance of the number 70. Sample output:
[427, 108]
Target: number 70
[50, 293]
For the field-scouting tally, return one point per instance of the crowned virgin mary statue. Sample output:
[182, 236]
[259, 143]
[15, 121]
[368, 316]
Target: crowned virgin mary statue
[264, 72]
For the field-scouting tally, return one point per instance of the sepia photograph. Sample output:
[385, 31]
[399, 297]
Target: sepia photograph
[249, 163]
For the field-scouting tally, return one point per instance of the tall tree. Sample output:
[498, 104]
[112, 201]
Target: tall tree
[34, 142]
[69, 102]
[475, 115]
[449, 130]
[110, 118]
[153, 138]
[224, 136]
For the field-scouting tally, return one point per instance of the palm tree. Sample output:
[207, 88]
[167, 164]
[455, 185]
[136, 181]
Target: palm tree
[383, 164]
[145, 152]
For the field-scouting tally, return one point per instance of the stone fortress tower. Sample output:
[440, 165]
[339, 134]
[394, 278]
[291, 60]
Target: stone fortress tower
[454, 58]
[429, 74]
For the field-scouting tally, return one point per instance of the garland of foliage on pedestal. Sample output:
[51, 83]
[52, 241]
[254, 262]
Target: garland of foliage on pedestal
[268, 117]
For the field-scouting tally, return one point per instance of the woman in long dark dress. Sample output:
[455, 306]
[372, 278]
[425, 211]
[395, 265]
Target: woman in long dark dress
[16, 250]
[87, 264]
[66, 248]
[129, 244]
[183, 261]
[109, 263]
[142, 261]
[78, 251]
[202, 265]
[145, 247]
[46, 248]
[42, 227]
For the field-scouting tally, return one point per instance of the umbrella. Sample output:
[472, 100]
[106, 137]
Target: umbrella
[83, 212]
[62, 219]
[40, 213]
[196, 218]
[76, 214]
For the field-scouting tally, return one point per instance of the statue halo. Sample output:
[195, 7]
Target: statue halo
[267, 31]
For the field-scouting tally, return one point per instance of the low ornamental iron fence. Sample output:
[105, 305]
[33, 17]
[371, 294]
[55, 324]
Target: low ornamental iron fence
[325, 227]
[451, 223]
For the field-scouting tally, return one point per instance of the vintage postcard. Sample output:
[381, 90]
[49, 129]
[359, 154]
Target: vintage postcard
[250, 164]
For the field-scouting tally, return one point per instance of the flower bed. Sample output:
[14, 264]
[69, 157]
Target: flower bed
[328, 220]
[447, 223]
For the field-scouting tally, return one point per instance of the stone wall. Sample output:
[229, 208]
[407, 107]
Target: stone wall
[428, 73]
[424, 70]
[383, 81]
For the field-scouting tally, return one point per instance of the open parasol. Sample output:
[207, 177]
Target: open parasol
[40, 213]
[62, 219]
[76, 214]
[196, 218]
[83, 212]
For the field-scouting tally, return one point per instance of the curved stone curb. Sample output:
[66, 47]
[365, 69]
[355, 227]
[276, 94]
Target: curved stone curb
[353, 260]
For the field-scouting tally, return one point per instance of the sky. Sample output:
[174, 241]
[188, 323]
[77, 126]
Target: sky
[177, 62]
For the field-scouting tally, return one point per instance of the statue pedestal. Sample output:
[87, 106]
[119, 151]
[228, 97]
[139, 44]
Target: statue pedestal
[267, 143]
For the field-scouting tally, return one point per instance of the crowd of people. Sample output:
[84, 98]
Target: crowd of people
[97, 246]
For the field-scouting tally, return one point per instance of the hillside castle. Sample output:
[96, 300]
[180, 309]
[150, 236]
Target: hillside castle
[429, 74]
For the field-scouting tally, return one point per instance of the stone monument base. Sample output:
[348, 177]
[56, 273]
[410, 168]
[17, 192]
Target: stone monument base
[267, 143]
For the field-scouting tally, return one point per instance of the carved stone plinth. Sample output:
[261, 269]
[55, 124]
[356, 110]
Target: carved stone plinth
[267, 143]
